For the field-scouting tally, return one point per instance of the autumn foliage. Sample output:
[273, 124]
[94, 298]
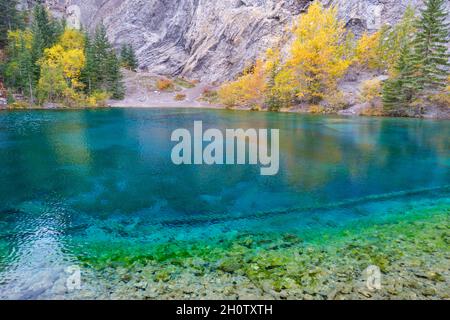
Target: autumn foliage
[413, 53]
[47, 61]
[318, 59]
[61, 68]
[318, 54]
[369, 52]
[249, 89]
[164, 84]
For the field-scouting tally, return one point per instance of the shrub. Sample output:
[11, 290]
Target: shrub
[375, 108]
[273, 103]
[441, 99]
[210, 95]
[230, 94]
[19, 104]
[315, 108]
[73, 99]
[248, 90]
[335, 100]
[184, 83]
[98, 99]
[180, 97]
[370, 90]
[10, 98]
[164, 84]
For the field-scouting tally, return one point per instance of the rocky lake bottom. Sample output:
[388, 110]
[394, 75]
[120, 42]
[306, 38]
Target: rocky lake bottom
[413, 255]
[410, 247]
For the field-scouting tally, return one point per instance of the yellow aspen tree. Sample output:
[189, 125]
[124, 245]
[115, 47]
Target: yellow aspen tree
[248, 90]
[318, 57]
[17, 36]
[254, 86]
[286, 88]
[230, 94]
[70, 62]
[53, 56]
[72, 39]
[368, 51]
[52, 83]
[73, 62]
[275, 97]
[61, 67]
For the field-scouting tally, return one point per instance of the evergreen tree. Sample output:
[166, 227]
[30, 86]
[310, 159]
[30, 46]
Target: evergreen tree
[101, 49]
[132, 59]
[401, 90]
[392, 40]
[19, 68]
[391, 99]
[26, 71]
[128, 57]
[114, 76]
[431, 45]
[45, 32]
[88, 72]
[10, 19]
[102, 71]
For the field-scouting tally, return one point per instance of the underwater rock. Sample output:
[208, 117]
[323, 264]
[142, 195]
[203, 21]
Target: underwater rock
[230, 265]
[429, 291]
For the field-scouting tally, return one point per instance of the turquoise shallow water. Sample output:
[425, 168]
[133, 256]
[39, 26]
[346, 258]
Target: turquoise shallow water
[70, 180]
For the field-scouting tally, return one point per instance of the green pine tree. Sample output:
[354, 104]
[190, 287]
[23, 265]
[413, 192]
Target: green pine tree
[391, 99]
[46, 32]
[88, 71]
[431, 45]
[26, 71]
[10, 19]
[393, 39]
[124, 56]
[114, 76]
[400, 91]
[102, 70]
[19, 67]
[128, 57]
[96, 55]
[133, 61]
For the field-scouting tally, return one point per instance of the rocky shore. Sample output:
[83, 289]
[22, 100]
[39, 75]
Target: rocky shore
[142, 92]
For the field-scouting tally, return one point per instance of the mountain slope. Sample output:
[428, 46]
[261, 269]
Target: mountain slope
[213, 40]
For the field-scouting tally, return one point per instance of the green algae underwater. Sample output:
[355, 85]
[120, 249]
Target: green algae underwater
[96, 189]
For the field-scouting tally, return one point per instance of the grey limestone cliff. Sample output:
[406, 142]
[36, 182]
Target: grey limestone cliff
[209, 39]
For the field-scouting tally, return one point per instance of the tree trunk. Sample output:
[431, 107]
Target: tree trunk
[31, 91]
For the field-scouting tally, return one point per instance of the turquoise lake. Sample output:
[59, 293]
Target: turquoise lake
[73, 179]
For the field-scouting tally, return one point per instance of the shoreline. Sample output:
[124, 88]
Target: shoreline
[202, 106]
[140, 96]
[286, 111]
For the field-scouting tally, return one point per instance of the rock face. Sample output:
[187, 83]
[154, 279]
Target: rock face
[213, 40]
